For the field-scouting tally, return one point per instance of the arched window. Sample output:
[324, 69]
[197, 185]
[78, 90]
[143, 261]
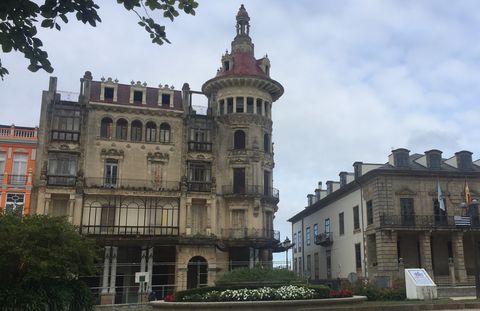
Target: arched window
[239, 140]
[122, 128]
[164, 133]
[136, 134]
[106, 128]
[266, 143]
[151, 132]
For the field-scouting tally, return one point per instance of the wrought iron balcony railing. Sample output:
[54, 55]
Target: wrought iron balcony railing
[61, 180]
[324, 239]
[248, 233]
[132, 184]
[423, 221]
[199, 146]
[251, 190]
[129, 230]
[199, 186]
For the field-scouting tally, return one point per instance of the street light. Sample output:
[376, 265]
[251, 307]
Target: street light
[286, 245]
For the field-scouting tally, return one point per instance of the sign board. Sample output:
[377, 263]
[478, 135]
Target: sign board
[419, 285]
[141, 277]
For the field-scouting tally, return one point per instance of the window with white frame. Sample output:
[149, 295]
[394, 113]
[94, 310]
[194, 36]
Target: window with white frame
[14, 202]
[307, 235]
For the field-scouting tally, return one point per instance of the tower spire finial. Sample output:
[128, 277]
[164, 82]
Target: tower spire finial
[243, 25]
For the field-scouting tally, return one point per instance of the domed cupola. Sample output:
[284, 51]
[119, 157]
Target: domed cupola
[241, 62]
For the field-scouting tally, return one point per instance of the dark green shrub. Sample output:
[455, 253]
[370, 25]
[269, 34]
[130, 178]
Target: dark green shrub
[259, 276]
[373, 293]
[322, 291]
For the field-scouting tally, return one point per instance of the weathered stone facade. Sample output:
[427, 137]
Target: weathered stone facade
[400, 223]
[163, 188]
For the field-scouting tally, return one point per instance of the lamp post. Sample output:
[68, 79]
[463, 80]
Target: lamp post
[286, 245]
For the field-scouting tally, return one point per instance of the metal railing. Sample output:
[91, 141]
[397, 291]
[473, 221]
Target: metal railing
[324, 239]
[131, 184]
[200, 186]
[199, 146]
[249, 233]
[129, 230]
[61, 180]
[17, 179]
[422, 221]
[251, 190]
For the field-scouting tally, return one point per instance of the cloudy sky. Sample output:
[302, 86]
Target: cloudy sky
[360, 77]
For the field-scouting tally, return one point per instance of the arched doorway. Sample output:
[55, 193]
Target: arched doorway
[197, 272]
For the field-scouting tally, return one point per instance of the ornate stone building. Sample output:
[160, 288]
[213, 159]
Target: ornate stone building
[163, 188]
[383, 218]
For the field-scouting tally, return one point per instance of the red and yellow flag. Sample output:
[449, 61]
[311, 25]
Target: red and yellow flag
[468, 196]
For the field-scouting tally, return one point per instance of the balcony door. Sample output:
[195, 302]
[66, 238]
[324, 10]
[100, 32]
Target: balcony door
[19, 169]
[111, 173]
[407, 211]
[239, 180]
[266, 183]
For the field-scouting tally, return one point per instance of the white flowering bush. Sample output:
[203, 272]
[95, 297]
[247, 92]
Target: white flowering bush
[290, 292]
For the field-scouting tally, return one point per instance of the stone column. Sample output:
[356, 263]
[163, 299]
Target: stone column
[188, 229]
[426, 252]
[150, 269]
[113, 272]
[212, 274]
[387, 257]
[48, 200]
[209, 220]
[106, 298]
[71, 205]
[458, 257]
[451, 272]
[143, 264]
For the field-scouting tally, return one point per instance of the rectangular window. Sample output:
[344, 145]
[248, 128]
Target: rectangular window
[221, 107]
[259, 106]
[238, 219]
[239, 105]
[14, 202]
[267, 109]
[239, 180]
[199, 176]
[230, 105]
[2, 165]
[341, 223]
[300, 239]
[369, 212]
[315, 230]
[108, 93]
[137, 96]
[166, 100]
[309, 266]
[111, 173]
[358, 256]
[327, 226]
[307, 235]
[267, 190]
[407, 211]
[356, 218]
[295, 243]
[62, 169]
[249, 104]
[316, 265]
[66, 125]
[19, 169]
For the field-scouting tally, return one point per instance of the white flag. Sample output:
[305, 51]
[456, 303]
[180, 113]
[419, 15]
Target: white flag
[440, 197]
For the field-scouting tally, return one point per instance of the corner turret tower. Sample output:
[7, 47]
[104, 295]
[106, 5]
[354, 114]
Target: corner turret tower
[240, 99]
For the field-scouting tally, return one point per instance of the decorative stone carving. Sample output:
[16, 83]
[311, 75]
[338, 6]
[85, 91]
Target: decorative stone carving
[112, 153]
[405, 191]
[158, 156]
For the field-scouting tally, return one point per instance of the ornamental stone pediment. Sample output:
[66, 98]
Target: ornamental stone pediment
[112, 152]
[405, 191]
[158, 156]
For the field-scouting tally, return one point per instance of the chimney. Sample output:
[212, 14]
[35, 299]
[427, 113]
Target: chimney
[318, 191]
[310, 199]
[357, 168]
[343, 178]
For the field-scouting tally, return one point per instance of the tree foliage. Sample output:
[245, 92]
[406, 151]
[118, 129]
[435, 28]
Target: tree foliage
[19, 20]
[41, 259]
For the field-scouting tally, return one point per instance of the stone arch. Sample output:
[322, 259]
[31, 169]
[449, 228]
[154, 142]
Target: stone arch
[197, 272]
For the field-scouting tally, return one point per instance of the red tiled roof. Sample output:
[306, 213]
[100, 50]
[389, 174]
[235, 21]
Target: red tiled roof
[244, 63]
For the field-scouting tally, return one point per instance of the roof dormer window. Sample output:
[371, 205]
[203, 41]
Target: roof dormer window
[137, 96]
[434, 159]
[400, 157]
[108, 93]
